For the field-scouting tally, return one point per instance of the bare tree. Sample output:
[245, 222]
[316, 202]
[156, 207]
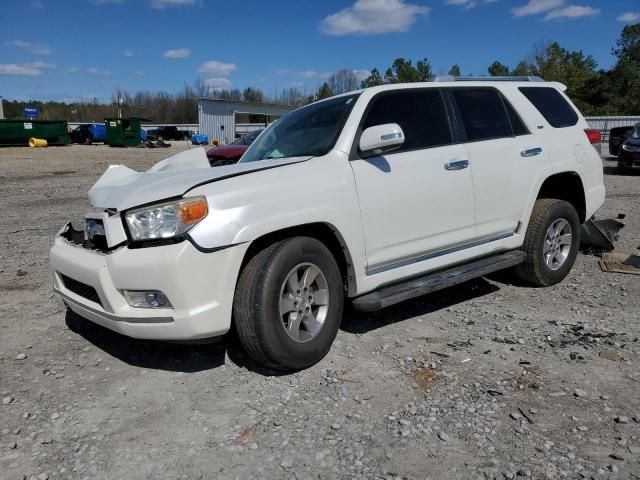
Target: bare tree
[343, 81]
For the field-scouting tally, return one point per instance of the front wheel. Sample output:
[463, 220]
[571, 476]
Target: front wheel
[288, 303]
[551, 242]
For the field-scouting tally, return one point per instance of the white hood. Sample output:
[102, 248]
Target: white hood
[121, 188]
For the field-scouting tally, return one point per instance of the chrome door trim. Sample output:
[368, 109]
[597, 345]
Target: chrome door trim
[436, 253]
[456, 165]
[531, 152]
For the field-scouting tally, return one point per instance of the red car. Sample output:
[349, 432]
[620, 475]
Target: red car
[231, 153]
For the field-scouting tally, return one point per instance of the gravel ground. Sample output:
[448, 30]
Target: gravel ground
[489, 379]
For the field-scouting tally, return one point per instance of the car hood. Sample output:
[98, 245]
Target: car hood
[228, 151]
[121, 188]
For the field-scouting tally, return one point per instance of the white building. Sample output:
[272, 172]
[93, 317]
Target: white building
[226, 120]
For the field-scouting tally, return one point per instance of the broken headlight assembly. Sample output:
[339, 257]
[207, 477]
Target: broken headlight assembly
[165, 220]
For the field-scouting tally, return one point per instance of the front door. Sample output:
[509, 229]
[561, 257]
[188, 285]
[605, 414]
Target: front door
[418, 199]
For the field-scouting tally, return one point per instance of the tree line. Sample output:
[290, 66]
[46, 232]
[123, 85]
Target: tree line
[595, 91]
[615, 91]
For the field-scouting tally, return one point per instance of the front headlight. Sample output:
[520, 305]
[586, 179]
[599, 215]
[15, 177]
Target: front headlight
[626, 147]
[166, 220]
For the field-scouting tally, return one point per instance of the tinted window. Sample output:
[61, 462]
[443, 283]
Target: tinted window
[421, 115]
[516, 122]
[483, 113]
[552, 105]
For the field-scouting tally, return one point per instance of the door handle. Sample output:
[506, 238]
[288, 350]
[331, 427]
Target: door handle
[456, 164]
[531, 152]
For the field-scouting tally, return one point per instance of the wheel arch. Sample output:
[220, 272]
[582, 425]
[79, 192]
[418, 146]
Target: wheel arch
[323, 232]
[566, 186]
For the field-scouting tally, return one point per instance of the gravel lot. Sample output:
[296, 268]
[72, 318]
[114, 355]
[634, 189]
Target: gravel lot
[486, 380]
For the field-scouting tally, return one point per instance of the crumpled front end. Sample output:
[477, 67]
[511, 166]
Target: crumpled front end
[100, 278]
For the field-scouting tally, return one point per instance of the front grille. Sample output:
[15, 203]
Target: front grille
[81, 289]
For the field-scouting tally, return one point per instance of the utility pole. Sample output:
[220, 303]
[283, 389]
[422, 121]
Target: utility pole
[1, 110]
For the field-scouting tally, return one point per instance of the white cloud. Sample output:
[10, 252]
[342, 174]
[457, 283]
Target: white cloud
[161, 4]
[35, 48]
[629, 17]
[127, 52]
[534, 7]
[361, 74]
[36, 4]
[213, 68]
[177, 53]
[74, 69]
[108, 2]
[467, 4]
[34, 69]
[572, 11]
[98, 72]
[219, 83]
[373, 16]
[314, 74]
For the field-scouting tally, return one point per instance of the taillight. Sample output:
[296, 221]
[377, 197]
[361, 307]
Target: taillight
[593, 135]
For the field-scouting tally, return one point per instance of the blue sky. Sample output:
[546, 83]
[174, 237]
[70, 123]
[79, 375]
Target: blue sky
[75, 49]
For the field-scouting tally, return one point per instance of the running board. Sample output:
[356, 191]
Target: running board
[438, 280]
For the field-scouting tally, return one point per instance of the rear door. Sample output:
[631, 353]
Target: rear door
[504, 158]
[412, 203]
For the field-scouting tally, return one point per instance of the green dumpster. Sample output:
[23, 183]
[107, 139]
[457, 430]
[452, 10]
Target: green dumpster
[18, 132]
[123, 132]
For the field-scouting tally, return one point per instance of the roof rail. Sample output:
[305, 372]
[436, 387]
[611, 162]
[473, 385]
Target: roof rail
[451, 78]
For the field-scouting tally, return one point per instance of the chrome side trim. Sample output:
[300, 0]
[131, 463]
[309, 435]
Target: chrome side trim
[114, 318]
[436, 253]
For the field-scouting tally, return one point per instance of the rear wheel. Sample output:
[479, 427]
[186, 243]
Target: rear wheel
[288, 303]
[551, 242]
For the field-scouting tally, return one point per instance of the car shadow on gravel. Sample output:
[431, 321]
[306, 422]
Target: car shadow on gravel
[172, 357]
[361, 322]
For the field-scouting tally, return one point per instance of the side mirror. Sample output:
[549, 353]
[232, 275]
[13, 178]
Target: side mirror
[380, 139]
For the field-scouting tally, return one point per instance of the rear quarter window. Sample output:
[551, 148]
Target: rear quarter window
[552, 105]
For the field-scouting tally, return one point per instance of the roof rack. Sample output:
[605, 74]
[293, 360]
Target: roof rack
[451, 78]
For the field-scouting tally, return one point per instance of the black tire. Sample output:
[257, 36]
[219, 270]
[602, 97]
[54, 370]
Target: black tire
[256, 306]
[622, 170]
[545, 212]
[88, 140]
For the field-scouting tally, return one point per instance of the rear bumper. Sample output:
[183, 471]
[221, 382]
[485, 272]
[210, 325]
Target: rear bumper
[200, 287]
[629, 159]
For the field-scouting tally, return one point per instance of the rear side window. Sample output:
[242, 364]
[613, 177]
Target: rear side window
[516, 122]
[483, 113]
[552, 105]
[420, 113]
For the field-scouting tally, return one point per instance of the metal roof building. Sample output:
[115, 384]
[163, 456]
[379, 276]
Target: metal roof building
[226, 120]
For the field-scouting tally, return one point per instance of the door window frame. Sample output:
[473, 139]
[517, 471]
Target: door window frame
[461, 127]
[449, 111]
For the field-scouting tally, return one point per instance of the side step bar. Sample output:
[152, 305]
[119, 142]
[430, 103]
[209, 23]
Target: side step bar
[399, 292]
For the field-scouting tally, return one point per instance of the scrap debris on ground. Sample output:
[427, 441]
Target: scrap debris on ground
[489, 379]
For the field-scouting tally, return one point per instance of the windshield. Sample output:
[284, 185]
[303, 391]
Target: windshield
[247, 139]
[309, 131]
[636, 131]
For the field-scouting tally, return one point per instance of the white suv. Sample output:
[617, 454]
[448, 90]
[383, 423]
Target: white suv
[378, 196]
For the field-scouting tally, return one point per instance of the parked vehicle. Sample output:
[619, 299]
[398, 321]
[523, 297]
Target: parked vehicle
[629, 154]
[89, 133]
[231, 153]
[617, 137]
[167, 133]
[376, 196]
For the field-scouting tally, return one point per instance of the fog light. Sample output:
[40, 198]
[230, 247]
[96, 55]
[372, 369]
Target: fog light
[147, 299]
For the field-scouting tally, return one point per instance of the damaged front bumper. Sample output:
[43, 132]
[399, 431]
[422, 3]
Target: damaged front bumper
[200, 286]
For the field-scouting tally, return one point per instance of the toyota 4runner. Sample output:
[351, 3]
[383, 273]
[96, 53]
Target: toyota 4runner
[375, 196]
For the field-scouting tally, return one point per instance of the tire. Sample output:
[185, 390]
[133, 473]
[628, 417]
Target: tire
[549, 217]
[257, 311]
[88, 140]
[622, 170]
